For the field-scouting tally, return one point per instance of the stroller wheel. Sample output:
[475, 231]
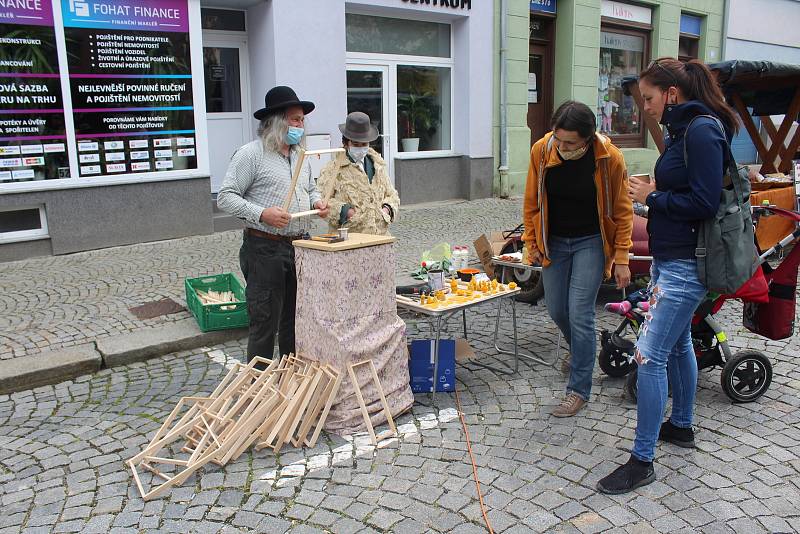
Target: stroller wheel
[613, 357]
[746, 376]
[632, 384]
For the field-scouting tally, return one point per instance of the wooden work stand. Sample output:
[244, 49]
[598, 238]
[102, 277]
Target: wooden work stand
[346, 314]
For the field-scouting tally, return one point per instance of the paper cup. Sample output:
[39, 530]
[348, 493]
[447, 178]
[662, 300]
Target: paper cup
[436, 279]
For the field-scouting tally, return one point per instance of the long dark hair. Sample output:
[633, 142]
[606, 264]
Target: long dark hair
[574, 116]
[695, 81]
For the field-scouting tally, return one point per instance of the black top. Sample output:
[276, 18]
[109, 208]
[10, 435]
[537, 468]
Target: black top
[572, 198]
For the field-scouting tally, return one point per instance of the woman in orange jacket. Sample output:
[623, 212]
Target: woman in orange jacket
[578, 222]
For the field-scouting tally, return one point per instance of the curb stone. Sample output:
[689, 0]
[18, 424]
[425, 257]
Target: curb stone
[57, 365]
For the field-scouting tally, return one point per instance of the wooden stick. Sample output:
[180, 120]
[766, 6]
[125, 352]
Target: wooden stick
[362, 404]
[385, 404]
[331, 396]
[301, 409]
[160, 460]
[301, 155]
[303, 214]
[315, 407]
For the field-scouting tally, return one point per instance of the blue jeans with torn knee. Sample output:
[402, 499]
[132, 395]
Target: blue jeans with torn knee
[665, 345]
[571, 283]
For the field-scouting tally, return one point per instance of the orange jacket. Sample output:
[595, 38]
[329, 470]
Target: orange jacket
[613, 204]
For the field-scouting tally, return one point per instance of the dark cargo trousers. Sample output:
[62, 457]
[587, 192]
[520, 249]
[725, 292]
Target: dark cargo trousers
[269, 270]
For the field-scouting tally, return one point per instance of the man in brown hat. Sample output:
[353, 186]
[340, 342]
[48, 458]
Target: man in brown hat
[255, 188]
[361, 193]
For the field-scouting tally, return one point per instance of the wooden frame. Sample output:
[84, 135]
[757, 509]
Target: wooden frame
[279, 404]
[302, 153]
[778, 149]
[392, 432]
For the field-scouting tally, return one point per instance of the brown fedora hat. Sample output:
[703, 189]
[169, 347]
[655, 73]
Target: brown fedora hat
[357, 127]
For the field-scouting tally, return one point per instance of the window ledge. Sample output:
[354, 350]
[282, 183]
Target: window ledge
[427, 154]
[8, 238]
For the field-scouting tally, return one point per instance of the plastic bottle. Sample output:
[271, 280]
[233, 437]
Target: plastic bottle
[453, 265]
[463, 257]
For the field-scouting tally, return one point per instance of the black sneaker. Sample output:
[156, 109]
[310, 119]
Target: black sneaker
[682, 437]
[635, 473]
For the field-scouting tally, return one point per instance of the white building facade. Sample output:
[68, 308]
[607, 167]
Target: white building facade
[153, 103]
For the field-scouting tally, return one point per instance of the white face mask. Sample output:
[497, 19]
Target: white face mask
[358, 152]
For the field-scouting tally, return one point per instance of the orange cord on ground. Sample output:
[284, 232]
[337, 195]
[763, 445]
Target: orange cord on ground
[472, 459]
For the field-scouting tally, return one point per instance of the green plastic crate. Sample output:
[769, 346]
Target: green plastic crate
[212, 316]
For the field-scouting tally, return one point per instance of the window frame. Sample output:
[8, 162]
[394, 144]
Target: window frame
[695, 39]
[26, 235]
[636, 29]
[392, 61]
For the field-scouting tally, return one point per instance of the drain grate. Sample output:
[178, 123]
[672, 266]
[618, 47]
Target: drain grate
[157, 308]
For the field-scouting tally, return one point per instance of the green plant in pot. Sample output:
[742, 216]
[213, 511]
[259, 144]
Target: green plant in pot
[420, 116]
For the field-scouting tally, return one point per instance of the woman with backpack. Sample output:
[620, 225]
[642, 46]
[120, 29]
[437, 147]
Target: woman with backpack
[685, 98]
[578, 223]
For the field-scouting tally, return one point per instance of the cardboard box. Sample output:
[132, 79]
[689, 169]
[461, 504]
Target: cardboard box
[486, 247]
[464, 351]
[420, 366]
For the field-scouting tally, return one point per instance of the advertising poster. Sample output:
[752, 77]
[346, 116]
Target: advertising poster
[32, 131]
[130, 85]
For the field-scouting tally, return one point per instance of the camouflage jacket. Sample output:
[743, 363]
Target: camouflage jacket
[345, 183]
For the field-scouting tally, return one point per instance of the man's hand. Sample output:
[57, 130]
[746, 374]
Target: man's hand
[638, 190]
[275, 216]
[351, 213]
[323, 208]
[622, 274]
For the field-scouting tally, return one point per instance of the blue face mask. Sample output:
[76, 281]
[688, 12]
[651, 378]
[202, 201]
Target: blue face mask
[294, 135]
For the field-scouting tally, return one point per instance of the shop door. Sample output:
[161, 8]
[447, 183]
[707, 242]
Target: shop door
[227, 104]
[368, 91]
[539, 83]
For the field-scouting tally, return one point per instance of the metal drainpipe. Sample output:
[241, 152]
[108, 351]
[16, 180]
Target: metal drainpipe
[726, 12]
[503, 168]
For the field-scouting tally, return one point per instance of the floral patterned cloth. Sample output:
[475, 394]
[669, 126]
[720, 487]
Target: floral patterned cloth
[346, 313]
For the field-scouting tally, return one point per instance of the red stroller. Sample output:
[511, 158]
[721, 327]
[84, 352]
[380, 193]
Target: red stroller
[769, 311]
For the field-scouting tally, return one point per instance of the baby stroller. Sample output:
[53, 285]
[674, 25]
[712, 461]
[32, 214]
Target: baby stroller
[769, 311]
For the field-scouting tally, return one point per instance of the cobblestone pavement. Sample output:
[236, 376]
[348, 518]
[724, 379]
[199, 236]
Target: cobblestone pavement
[62, 447]
[67, 300]
[62, 450]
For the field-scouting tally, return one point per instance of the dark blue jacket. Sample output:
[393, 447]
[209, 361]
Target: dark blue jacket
[686, 196]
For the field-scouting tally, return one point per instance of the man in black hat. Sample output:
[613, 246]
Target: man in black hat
[255, 188]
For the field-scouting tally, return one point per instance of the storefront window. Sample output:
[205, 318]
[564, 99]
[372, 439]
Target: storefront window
[622, 53]
[423, 108]
[383, 35]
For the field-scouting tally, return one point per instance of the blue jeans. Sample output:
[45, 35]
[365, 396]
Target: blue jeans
[571, 283]
[665, 345]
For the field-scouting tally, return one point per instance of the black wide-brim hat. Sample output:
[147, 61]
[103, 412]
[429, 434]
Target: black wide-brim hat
[279, 98]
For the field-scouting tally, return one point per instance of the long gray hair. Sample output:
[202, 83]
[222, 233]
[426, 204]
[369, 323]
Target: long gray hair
[272, 131]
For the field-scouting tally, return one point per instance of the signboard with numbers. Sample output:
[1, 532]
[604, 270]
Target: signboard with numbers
[33, 140]
[130, 82]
